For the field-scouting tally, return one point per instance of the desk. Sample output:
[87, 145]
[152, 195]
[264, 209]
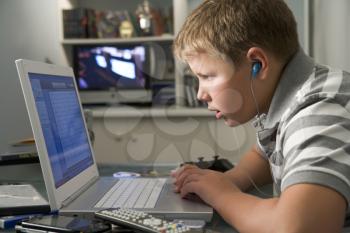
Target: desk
[31, 173]
[217, 225]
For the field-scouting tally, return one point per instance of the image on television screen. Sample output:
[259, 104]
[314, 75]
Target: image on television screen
[108, 67]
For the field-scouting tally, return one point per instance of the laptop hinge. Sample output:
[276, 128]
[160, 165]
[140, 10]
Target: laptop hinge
[80, 191]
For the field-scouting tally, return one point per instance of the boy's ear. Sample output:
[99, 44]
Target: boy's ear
[258, 55]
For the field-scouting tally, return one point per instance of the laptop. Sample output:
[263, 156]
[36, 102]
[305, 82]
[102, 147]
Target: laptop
[67, 160]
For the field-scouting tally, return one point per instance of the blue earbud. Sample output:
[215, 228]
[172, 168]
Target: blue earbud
[256, 67]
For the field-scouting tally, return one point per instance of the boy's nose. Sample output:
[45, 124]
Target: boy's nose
[203, 95]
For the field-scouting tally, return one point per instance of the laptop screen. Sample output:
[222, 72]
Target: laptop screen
[62, 124]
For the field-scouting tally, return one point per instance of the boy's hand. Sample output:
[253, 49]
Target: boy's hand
[207, 184]
[178, 175]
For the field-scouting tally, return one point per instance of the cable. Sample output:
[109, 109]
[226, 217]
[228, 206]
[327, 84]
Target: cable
[262, 128]
[256, 104]
[254, 184]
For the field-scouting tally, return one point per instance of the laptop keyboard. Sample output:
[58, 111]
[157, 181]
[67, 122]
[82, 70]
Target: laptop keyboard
[133, 193]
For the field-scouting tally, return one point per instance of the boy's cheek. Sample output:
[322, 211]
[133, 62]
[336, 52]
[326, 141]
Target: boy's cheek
[229, 101]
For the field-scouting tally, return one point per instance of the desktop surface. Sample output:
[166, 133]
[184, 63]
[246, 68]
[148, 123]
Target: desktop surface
[31, 173]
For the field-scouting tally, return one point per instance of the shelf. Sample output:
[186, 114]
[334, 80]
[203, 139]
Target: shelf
[122, 112]
[117, 40]
[179, 13]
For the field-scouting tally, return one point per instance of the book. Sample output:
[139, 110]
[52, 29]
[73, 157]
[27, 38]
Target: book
[7, 222]
[189, 96]
[91, 23]
[21, 199]
[75, 23]
[191, 90]
[18, 158]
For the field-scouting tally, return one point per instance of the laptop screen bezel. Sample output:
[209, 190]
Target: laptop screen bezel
[56, 195]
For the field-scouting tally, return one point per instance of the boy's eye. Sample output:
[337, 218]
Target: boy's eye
[205, 77]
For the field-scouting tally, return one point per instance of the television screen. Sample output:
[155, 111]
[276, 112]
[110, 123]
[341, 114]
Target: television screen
[111, 67]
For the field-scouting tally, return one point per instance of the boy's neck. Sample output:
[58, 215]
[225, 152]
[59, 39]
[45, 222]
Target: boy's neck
[270, 85]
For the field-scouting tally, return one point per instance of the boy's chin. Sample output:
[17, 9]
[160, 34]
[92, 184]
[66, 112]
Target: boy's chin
[231, 122]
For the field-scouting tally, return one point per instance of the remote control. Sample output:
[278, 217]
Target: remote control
[140, 220]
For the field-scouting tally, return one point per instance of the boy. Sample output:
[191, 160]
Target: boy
[246, 56]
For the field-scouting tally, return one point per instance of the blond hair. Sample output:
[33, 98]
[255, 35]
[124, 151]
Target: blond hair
[228, 28]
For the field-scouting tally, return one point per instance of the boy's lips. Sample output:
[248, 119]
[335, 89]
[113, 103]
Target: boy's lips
[218, 115]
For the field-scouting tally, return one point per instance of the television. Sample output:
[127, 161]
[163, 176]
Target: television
[112, 74]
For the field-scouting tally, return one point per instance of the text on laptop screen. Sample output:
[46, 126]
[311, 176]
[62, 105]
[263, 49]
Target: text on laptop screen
[62, 124]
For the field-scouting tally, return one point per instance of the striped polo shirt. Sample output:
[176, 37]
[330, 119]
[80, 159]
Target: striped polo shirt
[306, 132]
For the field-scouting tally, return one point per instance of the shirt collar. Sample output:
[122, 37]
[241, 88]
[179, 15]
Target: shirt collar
[296, 72]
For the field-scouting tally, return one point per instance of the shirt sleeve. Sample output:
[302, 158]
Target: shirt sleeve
[316, 147]
[259, 149]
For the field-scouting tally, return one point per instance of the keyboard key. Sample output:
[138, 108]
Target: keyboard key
[133, 193]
